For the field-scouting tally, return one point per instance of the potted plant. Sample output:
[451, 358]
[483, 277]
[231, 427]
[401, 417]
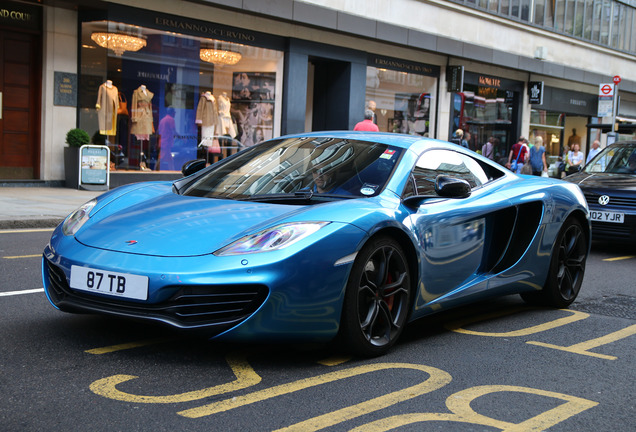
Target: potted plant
[75, 138]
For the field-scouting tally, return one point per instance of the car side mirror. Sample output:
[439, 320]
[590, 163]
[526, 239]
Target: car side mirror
[445, 187]
[451, 187]
[193, 166]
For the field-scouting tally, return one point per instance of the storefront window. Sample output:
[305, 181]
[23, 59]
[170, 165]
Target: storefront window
[175, 97]
[549, 126]
[485, 112]
[403, 102]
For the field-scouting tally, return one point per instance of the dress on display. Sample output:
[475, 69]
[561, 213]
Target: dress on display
[141, 113]
[107, 105]
[207, 116]
[225, 118]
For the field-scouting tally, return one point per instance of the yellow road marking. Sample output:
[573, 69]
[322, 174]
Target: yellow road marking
[583, 347]
[22, 256]
[334, 361]
[457, 326]
[130, 345]
[437, 379]
[245, 377]
[26, 230]
[459, 404]
[620, 258]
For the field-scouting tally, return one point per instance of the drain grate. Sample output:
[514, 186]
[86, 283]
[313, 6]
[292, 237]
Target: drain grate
[619, 307]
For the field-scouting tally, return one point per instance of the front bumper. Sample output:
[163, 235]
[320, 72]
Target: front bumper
[290, 294]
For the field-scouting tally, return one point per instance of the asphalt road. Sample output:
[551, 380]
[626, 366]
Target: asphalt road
[488, 367]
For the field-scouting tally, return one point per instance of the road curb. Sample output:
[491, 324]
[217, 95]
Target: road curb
[30, 223]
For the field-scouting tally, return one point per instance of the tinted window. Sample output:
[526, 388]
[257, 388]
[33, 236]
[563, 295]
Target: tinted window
[616, 159]
[323, 166]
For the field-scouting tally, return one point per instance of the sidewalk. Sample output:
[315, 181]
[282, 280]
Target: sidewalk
[39, 207]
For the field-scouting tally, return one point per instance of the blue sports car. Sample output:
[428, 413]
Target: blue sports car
[341, 236]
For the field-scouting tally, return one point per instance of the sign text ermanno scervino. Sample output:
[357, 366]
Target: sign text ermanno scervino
[205, 29]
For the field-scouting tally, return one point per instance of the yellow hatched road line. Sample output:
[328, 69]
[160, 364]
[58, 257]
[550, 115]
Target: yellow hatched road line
[22, 256]
[620, 258]
[584, 347]
[125, 346]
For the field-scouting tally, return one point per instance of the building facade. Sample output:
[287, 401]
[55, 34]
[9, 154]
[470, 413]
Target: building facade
[164, 82]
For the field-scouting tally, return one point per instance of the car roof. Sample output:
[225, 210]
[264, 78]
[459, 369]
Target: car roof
[388, 138]
[622, 143]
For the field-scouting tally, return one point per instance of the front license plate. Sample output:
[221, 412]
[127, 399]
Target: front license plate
[108, 282]
[603, 216]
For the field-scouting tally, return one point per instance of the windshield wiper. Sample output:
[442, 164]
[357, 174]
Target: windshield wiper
[306, 194]
[301, 195]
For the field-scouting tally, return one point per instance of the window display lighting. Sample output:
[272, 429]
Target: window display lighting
[219, 56]
[118, 42]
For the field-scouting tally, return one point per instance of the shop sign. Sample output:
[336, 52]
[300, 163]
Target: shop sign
[18, 15]
[485, 81]
[535, 91]
[455, 78]
[569, 102]
[489, 81]
[94, 166]
[402, 65]
[193, 27]
[65, 89]
[605, 100]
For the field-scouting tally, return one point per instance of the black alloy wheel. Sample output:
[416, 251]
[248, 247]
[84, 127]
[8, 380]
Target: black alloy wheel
[567, 268]
[377, 298]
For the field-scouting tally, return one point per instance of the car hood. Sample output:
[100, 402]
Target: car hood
[623, 182]
[155, 221]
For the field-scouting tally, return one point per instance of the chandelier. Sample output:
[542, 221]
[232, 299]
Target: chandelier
[118, 42]
[219, 56]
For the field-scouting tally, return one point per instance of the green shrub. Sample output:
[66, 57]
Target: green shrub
[77, 137]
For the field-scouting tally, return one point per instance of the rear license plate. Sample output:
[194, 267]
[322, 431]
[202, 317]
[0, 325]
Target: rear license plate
[108, 282]
[603, 216]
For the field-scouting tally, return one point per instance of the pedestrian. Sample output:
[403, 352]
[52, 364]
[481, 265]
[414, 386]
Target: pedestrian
[466, 140]
[537, 157]
[574, 160]
[525, 144]
[458, 138]
[488, 149]
[367, 124]
[596, 149]
[517, 156]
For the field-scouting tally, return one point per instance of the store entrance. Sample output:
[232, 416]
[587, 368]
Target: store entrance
[19, 107]
[331, 82]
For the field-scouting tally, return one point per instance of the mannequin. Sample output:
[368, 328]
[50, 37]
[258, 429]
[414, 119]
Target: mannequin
[225, 118]
[207, 117]
[141, 117]
[107, 105]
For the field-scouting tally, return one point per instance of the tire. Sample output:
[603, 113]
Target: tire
[377, 299]
[567, 268]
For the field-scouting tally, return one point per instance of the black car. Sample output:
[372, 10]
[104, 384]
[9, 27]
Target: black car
[609, 185]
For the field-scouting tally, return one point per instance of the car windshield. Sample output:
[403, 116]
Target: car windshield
[301, 168]
[615, 159]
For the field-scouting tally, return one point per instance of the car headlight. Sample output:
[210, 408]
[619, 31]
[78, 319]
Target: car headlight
[270, 239]
[75, 220]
